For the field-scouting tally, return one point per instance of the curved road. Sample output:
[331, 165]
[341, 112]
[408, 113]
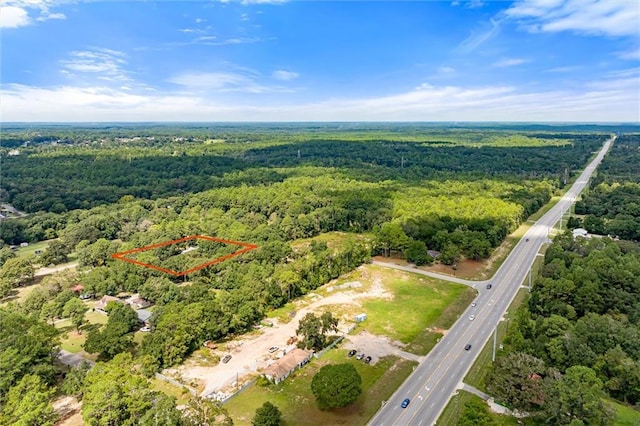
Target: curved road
[441, 372]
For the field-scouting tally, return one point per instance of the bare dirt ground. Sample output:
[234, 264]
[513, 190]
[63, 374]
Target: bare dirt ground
[68, 410]
[250, 354]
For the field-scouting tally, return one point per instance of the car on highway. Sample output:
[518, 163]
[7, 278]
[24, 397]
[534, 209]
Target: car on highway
[467, 347]
[473, 305]
[226, 359]
[405, 403]
[472, 317]
[351, 353]
[488, 286]
[272, 349]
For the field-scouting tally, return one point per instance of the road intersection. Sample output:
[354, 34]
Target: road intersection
[440, 374]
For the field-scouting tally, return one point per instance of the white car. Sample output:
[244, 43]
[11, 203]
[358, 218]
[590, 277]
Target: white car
[472, 317]
[272, 349]
[145, 329]
[473, 305]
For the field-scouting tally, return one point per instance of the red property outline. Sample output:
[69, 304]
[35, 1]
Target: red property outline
[121, 255]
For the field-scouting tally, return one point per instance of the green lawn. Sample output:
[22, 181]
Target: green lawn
[31, 248]
[418, 303]
[455, 410]
[625, 416]
[294, 398]
[182, 394]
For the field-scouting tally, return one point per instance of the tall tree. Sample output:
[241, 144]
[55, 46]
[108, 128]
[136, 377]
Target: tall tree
[28, 404]
[115, 393]
[205, 412]
[336, 386]
[75, 309]
[267, 415]
[17, 270]
[577, 398]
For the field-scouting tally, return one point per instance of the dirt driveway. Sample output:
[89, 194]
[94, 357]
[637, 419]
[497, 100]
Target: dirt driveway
[250, 354]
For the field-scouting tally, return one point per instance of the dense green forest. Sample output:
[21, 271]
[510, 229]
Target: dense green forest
[612, 205]
[392, 191]
[577, 339]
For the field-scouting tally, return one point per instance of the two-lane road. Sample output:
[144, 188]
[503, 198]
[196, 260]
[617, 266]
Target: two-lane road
[437, 377]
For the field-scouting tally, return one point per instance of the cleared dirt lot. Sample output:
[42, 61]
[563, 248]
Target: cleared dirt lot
[250, 354]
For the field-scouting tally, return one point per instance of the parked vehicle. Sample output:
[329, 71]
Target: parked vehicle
[367, 360]
[272, 349]
[360, 356]
[352, 352]
[226, 359]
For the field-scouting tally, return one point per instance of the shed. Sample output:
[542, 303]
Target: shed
[144, 316]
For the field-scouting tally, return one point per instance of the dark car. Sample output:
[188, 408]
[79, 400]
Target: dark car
[226, 359]
[405, 403]
[467, 347]
[488, 286]
[527, 240]
[367, 360]
[352, 352]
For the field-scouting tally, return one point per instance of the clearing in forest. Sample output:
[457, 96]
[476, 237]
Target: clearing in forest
[184, 255]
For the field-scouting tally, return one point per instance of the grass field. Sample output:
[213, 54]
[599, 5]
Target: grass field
[29, 250]
[418, 303]
[625, 416]
[182, 395]
[455, 410]
[294, 398]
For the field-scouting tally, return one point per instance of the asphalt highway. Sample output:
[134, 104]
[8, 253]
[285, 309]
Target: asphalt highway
[435, 380]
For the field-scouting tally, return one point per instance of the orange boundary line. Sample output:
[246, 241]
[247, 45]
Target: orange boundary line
[122, 255]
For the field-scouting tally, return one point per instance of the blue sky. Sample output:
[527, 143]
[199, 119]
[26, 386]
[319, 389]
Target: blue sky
[267, 60]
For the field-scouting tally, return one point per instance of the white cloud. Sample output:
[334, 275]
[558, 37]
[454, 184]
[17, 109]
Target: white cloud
[614, 98]
[633, 54]
[571, 68]
[16, 13]
[13, 17]
[597, 17]
[243, 80]
[510, 62]
[52, 16]
[477, 38]
[105, 64]
[285, 75]
[469, 4]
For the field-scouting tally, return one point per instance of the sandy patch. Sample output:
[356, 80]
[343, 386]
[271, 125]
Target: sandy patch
[250, 354]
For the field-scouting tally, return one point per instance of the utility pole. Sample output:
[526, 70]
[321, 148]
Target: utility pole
[495, 339]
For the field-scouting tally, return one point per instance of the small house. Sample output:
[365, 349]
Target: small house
[137, 302]
[101, 306]
[144, 316]
[282, 368]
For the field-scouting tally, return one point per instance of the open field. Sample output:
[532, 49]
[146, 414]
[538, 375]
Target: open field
[294, 398]
[29, 251]
[625, 416]
[405, 313]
